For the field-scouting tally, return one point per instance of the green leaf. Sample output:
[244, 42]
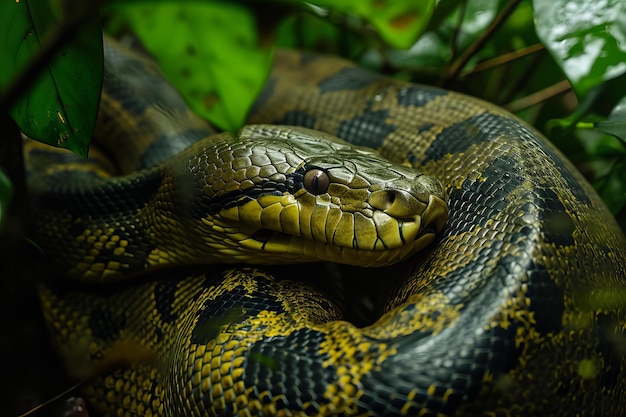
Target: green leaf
[398, 22]
[586, 37]
[60, 107]
[6, 193]
[209, 52]
[616, 123]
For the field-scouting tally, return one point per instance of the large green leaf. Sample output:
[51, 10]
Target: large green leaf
[586, 37]
[209, 51]
[60, 107]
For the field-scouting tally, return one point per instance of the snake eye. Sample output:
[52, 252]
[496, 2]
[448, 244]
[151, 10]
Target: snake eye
[316, 181]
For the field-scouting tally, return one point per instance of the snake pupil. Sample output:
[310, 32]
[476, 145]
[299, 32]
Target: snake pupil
[316, 181]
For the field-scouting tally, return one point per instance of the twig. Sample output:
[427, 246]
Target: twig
[51, 400]
[524, 79]
[539, 96]
[504, 58]
[458, 65]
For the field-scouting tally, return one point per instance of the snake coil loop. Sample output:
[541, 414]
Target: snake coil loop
[516, 309]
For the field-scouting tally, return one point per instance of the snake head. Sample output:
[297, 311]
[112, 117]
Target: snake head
[278, 194]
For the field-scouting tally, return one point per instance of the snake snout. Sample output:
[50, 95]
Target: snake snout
[418, 205]
[435, 214]
[396, 203]
[425, 208]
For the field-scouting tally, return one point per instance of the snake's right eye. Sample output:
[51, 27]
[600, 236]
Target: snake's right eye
[316, 181]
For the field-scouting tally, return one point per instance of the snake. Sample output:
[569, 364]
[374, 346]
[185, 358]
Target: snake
[198, 273]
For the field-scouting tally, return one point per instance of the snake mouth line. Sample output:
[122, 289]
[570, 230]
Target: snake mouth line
[430, 222]
[265, 235]
[381, 240]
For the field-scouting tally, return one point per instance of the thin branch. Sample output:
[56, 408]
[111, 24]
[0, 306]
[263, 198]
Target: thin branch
[539, 96]
[505, 58]
[51, 400]
[524, 79]
[458, 65]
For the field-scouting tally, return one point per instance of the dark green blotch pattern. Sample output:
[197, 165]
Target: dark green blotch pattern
[351, 78]
[461, 366]
[298, 118]
[278, 366]
[138, 85]
[264, 96]
[547, 299]
[411, 157]
[558, 225]
[418, 95]
[478, 201]
[83, 194]
[573, 184]
[231, 308]
[165, 297]
[459, 136]
[167, 145]
[106, 323]
[133, 259]
[367, 129]
[306, 58]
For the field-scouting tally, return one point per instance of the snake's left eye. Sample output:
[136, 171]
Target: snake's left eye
[316, 181]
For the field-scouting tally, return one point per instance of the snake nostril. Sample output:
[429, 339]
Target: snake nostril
[382, 199]
[396, 203]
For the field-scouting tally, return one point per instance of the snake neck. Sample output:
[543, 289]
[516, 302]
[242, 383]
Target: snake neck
[104, 221]
[122, 226]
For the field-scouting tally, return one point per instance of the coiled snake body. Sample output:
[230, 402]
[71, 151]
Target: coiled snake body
[516, 309]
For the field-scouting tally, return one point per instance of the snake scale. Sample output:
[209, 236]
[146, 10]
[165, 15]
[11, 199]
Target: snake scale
[516, 309]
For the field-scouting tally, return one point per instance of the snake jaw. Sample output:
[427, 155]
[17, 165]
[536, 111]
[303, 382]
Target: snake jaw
[381, 240]
[407, 211]
[435, 214]
[394, 232]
